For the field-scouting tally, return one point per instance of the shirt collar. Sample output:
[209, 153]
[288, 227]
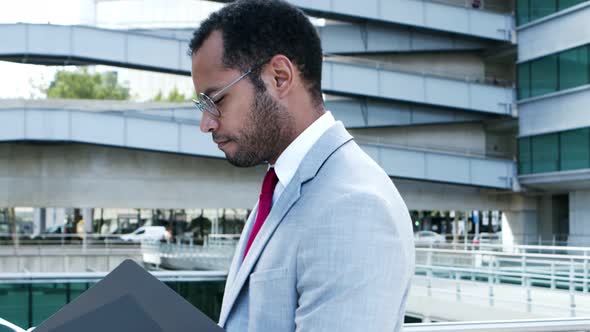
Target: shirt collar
[288, 162]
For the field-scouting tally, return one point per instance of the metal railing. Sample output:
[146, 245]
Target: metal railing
[22, 244]
[475, 5]
[529, 325]
[530, 271]
[438, 149]
[400, 67]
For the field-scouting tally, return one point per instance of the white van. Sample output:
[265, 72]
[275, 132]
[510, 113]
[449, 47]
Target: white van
[143, 233]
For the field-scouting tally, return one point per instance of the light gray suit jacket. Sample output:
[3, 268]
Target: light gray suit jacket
[336, 252]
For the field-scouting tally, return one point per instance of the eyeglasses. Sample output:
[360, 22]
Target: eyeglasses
[205, 103]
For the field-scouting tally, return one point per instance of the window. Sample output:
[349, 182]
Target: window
[573, 68]
[522, 11]
[530, 10]
[565, 4]
[544, 75]
[542, 8]
[574, 149]
[524, 156]
[524, 80]
[545, 153]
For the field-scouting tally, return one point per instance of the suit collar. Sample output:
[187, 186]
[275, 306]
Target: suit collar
[330, 141]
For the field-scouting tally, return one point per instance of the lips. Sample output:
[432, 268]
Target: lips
[221, 144]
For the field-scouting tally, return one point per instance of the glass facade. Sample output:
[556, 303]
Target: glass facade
[556, 72]
[563, 151]
[30, 304]
[531, 10]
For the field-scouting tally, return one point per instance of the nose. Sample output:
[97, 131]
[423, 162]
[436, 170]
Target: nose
[208, 123]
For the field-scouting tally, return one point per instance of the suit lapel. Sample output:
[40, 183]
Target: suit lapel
[239, 252]
[335, 137]
[278, 211]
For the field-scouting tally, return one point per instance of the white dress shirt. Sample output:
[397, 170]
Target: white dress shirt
[289, 161]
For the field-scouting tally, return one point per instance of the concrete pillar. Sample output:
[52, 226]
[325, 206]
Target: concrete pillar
[579, 213]
[39, 219]
[456, 227]
[520, 222]
[88, 217]
[519, 227]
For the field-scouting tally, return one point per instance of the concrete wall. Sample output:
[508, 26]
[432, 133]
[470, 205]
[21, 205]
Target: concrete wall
[461, 138]
[78, 175]
[420, 195]
[462, 64]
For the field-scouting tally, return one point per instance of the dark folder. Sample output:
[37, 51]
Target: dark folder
[129, 299]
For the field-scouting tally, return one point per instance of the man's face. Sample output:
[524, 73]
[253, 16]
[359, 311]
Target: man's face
[253, 127]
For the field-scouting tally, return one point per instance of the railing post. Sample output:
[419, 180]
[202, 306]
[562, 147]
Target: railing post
[465, 240]
[552, 275]
[529, 297]
[429, 271]
[429, 281]
[458, 289]
[572, 287]
[491, 278]
[523, 269]
[585, 278]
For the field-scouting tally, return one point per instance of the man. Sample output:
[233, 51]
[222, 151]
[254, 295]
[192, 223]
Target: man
[329, 246]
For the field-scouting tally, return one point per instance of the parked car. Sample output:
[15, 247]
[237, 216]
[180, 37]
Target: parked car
[427, 238]
[488, 238]
[154, 233]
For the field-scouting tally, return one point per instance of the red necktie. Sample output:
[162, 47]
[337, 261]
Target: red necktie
[264, 205]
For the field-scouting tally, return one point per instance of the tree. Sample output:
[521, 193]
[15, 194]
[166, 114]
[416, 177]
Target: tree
[80, 84]
[173, 96]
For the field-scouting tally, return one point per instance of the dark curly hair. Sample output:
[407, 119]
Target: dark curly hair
[256, 30]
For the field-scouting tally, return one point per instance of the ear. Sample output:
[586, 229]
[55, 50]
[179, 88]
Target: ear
[280, 75]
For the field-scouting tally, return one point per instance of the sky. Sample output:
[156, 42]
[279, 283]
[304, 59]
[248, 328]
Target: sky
[24, 80]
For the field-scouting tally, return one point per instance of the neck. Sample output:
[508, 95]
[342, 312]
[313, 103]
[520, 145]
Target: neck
[300, 123]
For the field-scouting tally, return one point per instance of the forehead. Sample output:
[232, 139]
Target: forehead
[207, 64]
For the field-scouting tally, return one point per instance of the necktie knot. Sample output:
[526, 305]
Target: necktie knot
[270, 182]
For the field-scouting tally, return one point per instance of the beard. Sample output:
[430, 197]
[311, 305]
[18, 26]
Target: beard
[266, 134]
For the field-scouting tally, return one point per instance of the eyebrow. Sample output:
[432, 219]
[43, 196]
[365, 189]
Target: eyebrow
[210, 90]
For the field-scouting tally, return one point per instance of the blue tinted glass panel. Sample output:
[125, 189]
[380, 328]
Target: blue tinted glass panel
[524, 156]
[544, 75]
[522, 11]
[14, 304]
[575, 149]
[542, 8]
[545, 153]
[77, 289]
[206, 296]
[524, 80]
[47, 299]
[564, 4]
[573, 68]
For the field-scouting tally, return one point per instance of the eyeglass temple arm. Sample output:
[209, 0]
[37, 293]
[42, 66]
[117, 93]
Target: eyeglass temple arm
[231, 84]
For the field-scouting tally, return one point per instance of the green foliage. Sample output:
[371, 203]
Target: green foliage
[80, 84]
[173, 96]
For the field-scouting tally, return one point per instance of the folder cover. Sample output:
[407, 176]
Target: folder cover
[129, 299]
